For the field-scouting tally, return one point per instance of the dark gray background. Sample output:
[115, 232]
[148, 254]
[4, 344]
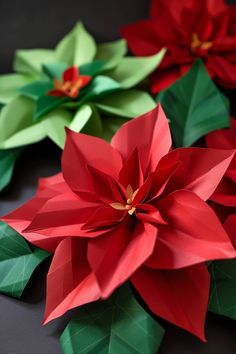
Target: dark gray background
[31, 24]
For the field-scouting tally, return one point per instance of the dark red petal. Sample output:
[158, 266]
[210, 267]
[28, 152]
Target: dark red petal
[180, 296]
[117, 255]
[70, 281]
[230, 227]
[71, 74]
[131, 173]
[103, 217]
[154, 126]
[82, 150]
[85, 80]
[193, 234]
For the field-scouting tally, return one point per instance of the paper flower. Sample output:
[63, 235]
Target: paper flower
[72, 83]
[189, 30]
[224, 197]
[130, 210]
[31, 112]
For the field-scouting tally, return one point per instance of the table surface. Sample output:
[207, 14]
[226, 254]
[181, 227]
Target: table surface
[28, 24]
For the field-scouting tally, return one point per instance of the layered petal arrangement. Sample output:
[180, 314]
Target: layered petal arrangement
[189, 30]
[131, 210]
[224, 197]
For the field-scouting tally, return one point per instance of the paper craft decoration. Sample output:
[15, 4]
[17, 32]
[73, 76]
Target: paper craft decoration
[188, 29]
[93, 78]
[194, 106]
[118, 212]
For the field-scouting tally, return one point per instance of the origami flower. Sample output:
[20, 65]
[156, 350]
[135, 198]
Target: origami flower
[71, 84]
[189, 30]
[224, 197]
[130, 210]
[32, 97]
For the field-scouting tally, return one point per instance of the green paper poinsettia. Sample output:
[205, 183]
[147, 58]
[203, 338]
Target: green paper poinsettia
[71, 85]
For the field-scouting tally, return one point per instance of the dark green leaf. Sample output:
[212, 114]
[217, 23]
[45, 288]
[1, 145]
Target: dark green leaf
[223, 288]
[36, 89]
[116, 326]
[194, 106]
[7, 162]
[100, 85]
[46, 104]
[93, 68]
[17, 261]
[54, 70]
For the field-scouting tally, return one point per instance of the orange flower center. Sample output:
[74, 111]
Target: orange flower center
[129, 206]
[70, 88]
[197, 44]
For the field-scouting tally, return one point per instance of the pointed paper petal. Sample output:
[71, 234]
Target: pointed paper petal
[154, 126]
[178, 296]
[131, 173]
[230, 227]
[82, 150]
[71, 74]
[118, 254]
[193, 234]
[200, 170]
[70, 282]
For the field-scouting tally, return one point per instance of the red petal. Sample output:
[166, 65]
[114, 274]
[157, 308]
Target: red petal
[230, 227]
[224, 70]
[115, 257]
[180, 296]
[200, 170]
[70, 281]
[82, 150]
[71, 74]
[103, 217]
[56, 93]
[85, 80]
[154, 126]
[131, 173]
[163, 78]
[193, 234]
[225, 193]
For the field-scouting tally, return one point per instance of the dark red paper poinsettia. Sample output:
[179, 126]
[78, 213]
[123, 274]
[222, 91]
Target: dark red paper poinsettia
[132, 209]
[72, 83]
[224, 197]
[189, 29]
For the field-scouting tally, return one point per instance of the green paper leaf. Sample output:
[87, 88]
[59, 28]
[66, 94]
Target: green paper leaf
[77, 47]
[36, 89]
[128, 103]
[94, 124]
[80, 118]
[30, 61]
[9, 84]
[93, 68]
[54, 125]
[17, 261]
[7, 163]
[132, 70]
[223, 288]
[45, 104]
[15, 116]
[112, 53]
[116, 326]
[194, 106]
[111, 125]
[54, 70]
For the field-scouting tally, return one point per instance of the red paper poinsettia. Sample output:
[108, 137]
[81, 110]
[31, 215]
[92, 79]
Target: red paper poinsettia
[224, 196]
[132, 209]
[72, 83]
[189, 29]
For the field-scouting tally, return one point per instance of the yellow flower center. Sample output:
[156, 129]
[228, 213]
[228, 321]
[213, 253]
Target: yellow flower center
[198, 44]
[129, 203]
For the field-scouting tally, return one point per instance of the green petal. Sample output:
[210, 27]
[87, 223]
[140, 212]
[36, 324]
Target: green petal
[30, 61]
[194, 106]
[9, 84]
[94, 124]
[132, 70]
[17, 261]
[111, 125]
[77, 47]
[118, 325]
[46, 104]
[7, 163]
[111, 52]
[54, 70]
[36, 89]
[80, 118]
[15, 116]
[128, 104]
[223, 288]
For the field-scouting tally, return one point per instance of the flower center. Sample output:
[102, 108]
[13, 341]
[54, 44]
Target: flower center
[129, 206]
[70, 88]
[197, 46]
